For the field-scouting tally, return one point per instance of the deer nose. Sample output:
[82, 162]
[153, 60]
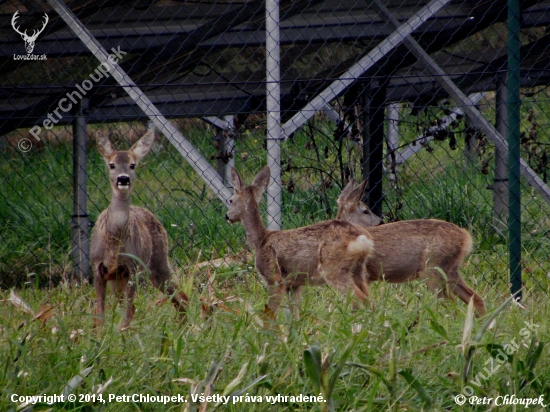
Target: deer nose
[123, 180]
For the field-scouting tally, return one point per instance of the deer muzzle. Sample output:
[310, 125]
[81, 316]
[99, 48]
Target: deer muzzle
[123, 182]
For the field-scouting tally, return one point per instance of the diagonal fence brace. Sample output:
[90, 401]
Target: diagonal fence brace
[467, 106]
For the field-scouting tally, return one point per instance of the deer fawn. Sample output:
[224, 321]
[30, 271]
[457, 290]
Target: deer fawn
[412, 248]
[332, 252]
[123, 230]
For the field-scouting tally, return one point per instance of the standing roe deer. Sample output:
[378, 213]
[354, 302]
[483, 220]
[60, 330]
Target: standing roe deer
[332, 252]
[412, 249]
[123, 230]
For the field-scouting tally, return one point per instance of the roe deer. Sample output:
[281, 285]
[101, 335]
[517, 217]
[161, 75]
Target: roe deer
[332, 252]
[412, 249]
[122, 229]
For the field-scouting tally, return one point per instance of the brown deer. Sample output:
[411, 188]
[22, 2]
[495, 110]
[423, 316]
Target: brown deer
[123, 231]
[332, 252]
[412, 249]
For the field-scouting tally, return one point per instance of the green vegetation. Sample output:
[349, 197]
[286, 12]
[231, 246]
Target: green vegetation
[404, 353]
[408, 351]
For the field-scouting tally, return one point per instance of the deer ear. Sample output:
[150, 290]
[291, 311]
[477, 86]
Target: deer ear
[143, 145]
[346, 190]
[236, 180]
[261, 181]
[356, 194]
[104, 145]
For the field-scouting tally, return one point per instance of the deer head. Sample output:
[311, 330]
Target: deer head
[238, 203]
[122, 164]
[352, 208]
[29, 40]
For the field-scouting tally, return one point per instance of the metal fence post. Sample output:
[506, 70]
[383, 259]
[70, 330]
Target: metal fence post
[373, 143]
[273, 108]
[514, 221]
[500, 184]
[392, 138]
[80, 222]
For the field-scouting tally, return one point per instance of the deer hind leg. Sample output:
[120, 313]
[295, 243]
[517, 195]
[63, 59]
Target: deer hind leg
[161, 280]
[344, 275]
[100, 285]
[161, 273]
[343, 281]
[438, 282]
[454, 285]
[465, 293]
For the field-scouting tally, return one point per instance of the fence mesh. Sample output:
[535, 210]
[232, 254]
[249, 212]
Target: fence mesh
[203, 65]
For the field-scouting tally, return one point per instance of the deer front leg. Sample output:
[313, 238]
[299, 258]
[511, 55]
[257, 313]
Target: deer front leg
[276, 294]
[269, 269]
[100, 289]
[130, 291]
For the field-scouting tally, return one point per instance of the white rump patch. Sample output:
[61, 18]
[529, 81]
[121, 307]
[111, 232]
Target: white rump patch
[361, 244]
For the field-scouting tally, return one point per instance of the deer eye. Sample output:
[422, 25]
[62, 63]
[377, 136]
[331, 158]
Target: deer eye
[366, 211]
[133, 166]
[112, 165]
[230, 201]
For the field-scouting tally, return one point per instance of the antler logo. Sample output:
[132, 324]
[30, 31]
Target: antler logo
[29, 40]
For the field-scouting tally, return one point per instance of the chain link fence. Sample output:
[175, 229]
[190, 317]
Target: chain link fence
[355, 101]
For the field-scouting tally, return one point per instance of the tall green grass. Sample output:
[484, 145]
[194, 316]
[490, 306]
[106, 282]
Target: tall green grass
[403, 353]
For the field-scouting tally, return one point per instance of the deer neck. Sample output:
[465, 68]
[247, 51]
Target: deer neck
[253, 225]
[118, 213]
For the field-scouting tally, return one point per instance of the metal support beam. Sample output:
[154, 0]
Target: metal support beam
[197, 162]
[500, 184]
[469, 108]
[80, 222]
[273, 108]
[351, 75]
